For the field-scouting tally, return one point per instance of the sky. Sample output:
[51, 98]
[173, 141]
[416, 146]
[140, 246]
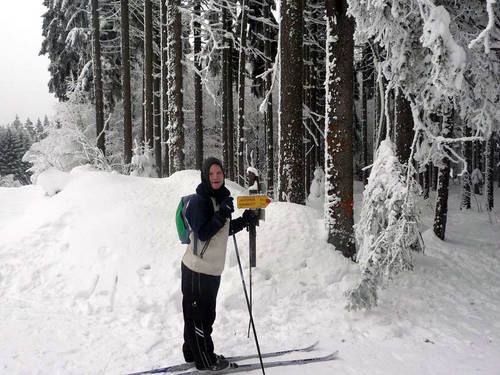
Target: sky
[23, 74]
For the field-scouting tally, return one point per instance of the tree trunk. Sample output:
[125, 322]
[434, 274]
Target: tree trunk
[364, 116]
[157, 112]
[225, 94]
[127, 101]
[241, 92]
[291, 170]
[198, 94]
[175, 97]
[441, 209]
[99, 103]
[339, 128]
[148, 72]
[230, 107]
[467, 151]
[164, 89]
[490, 168]
[308, 138]
[403, 128]
[268, 115]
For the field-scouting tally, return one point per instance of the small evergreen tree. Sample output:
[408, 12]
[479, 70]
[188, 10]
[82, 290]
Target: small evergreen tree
[387, 231]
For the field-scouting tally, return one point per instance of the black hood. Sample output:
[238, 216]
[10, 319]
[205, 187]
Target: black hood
[205, 180]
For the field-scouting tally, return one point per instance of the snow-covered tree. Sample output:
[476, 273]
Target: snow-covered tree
[430, 57]
[143, 161]
[387, 231]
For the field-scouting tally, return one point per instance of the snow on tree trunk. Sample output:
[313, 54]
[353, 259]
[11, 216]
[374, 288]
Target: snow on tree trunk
[157, 108]
[364, 114]
[97, 64]
[225, 88]
[230, 107]
[241, 92]
[387, 231]
[268, 115]
[291, 171]
[441, 209]
[339, 128]
[148, 73]
[175, 96]
[198, 94]
[127, 99]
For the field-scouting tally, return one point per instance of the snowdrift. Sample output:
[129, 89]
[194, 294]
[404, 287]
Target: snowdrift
[90, 284]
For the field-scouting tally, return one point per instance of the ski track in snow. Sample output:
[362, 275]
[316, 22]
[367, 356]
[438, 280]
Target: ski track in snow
[90, 284]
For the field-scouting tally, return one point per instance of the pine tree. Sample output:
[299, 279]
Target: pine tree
[17, 124]
[30, 128]
[14, 142]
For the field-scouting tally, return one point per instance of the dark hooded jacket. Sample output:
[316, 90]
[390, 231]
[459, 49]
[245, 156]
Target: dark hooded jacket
[211, 227]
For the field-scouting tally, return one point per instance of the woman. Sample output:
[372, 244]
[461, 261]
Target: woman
[209, 215]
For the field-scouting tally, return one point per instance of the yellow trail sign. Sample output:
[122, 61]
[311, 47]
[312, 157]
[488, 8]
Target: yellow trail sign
[253, 201]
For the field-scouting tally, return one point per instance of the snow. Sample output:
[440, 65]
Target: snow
[90, 284]
[53, 180]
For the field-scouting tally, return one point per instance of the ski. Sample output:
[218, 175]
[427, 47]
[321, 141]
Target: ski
[187, 366]
[235, 367]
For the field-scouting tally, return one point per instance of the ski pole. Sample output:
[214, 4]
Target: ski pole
[248, 304]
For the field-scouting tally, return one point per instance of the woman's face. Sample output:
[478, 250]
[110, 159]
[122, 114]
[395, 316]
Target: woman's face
[216, 176]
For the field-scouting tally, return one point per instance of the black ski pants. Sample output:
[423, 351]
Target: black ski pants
[199, 295]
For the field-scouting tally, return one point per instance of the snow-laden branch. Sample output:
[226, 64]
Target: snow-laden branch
[485, 34]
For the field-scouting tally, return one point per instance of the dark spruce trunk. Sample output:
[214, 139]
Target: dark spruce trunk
[175, 96]
[148, 72]
[467, 150]
[127, 102]
[164, 88]
[489, 172]
[268, 115]
[241, 92]
[291, 168]
[339, 128]
[198, 94]
[98, 94]
[441, 209]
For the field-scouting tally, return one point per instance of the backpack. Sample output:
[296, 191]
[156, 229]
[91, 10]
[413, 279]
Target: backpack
[184, 229]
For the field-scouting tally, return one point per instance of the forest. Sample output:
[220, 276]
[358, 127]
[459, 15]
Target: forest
[403, 95]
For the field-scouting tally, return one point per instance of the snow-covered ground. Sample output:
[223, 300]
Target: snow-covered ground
[90, 284]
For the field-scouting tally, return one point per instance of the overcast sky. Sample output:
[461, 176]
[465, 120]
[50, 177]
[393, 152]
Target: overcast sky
[23, 74]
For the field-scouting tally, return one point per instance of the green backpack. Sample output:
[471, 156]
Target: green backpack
[184, 229]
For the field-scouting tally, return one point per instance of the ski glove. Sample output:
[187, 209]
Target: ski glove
[226, 207]
[250, 217]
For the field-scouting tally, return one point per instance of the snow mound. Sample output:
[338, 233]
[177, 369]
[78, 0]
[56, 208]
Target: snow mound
[53, 180]
[90, 284]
